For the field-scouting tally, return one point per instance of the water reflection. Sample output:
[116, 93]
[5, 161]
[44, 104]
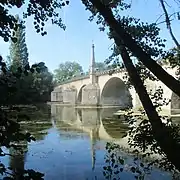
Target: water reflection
[18, 158]
[38, 126]
[70, 143]
[39, 122]
[97, 122]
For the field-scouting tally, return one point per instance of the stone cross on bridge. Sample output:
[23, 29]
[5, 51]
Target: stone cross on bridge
[102, 89]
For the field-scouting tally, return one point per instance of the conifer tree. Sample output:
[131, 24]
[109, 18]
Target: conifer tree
[18, 49]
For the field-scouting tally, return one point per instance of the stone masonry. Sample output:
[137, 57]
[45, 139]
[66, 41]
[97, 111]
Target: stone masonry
[104, 89]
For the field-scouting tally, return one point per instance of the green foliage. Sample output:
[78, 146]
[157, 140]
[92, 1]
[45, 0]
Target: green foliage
[145, 35]
[41, 11]
[18, 85]
[30, 87]
[10, 131]
[174, 57]
[43, 85]
[67, 70]
[103, 66]
[116, 164]
[18, 49]
[24, 84]
[100, 66]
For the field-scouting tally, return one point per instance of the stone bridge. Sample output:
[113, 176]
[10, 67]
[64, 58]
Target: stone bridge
[105, 89]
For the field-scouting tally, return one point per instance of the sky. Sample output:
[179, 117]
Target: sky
[74, 44]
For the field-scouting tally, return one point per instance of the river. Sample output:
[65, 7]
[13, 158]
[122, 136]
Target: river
[70, 144]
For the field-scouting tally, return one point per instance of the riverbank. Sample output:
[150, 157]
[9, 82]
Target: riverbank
[139, 113]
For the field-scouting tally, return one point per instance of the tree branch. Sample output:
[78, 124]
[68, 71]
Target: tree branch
[158, 128]
[155, 68]
[168, 23]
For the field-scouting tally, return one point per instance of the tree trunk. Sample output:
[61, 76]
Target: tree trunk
[155, 68]
[170, 147]
[164, 139]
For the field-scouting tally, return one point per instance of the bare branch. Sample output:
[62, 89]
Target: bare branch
[163, 22]
[168, 23]
[167, 4]
[177, 2]
[156, 22]
[159, 18]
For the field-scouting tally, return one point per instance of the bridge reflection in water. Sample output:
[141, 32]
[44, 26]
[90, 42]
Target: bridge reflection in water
[68, 155]
[90, 121]
[97, 123]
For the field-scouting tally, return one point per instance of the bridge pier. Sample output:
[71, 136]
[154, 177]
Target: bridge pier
[70, 96]
[57, 95]
[90, 95]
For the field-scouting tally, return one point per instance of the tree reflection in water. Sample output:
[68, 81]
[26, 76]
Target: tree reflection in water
[38, 124]
[100, 124]
[146, 153]
[92, 128]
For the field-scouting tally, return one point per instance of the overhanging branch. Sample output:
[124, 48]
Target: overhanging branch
[168, 23]
[155, 68]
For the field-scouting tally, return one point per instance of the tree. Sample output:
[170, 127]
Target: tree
[8, 62]
[18, 49]
[100, 66]
[122, 33]
[42, 11]
[11, 133]
[67, 70]
[43, 85]
[31, 88]
[131, 44]
[36, 87]
[105, 10]
[123, 40]
[10, 129]
[168, 22]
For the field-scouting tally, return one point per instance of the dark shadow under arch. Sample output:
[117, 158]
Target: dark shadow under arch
[115, 93]
[79, 111]
[79, 97]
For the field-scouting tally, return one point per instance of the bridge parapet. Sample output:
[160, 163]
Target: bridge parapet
[77, 78]
[114, 70]
[74, 79]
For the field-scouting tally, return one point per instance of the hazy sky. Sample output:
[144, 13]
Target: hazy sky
[74, 44]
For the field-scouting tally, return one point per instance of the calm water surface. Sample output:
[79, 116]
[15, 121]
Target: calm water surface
[71, 144]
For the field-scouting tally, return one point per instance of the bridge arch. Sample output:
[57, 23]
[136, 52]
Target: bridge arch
[79, 94]
[115, 93]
